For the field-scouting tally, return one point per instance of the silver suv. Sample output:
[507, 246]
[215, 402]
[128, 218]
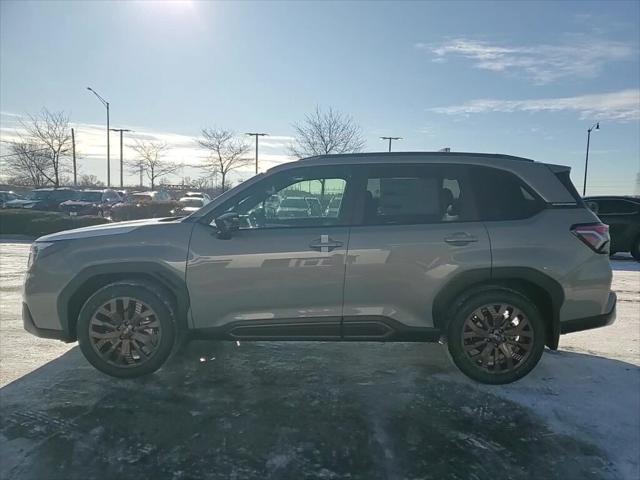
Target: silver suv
[496, 254]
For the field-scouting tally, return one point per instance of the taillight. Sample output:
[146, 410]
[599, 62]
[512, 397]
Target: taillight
[594, 235]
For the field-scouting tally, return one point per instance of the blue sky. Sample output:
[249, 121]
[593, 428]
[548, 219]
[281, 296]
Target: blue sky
[523, 78]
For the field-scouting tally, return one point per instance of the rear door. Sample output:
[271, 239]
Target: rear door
[416, 231]
[622, 216]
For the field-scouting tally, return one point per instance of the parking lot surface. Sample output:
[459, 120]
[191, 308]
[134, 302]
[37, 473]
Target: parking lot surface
[319, 410]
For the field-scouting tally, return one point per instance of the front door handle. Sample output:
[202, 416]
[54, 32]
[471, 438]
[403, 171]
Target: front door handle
[325, 244]
[460, 239]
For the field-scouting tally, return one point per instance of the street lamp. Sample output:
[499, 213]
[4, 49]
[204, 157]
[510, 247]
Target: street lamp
[106, 104]
[595, 126]
[390, 139]
[121, 130]
[257, 135]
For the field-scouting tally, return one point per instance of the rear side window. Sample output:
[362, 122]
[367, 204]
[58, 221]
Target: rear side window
[565, 180]
[415, 194]
[503, 196]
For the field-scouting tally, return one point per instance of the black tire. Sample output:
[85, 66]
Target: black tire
[465, 309]
[163, 315]
[635, 250]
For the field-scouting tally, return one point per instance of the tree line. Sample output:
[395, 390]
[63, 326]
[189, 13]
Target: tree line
[42, 154]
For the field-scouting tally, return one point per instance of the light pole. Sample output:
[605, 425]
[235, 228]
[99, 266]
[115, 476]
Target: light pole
[121, 130]
[257, 135]
[106, 104]
[390, 139]
[595, 126]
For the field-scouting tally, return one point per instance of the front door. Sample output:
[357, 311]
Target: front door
[281, 275]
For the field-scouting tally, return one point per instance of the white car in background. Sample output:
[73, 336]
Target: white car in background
[204, 196]
[188, 205]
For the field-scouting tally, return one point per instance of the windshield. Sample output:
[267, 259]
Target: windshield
[294, 203]
[90, 196]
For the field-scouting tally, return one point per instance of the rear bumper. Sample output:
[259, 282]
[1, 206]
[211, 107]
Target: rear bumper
[597, 321]
[30, 326]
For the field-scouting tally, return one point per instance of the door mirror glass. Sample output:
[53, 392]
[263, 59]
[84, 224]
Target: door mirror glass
[227, 223]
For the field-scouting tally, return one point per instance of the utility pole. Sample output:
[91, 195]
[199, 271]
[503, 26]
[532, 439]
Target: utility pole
[595, 126]
[73, 148]
[121, 130]
[106, 104]
[390, 139]
[257, 135]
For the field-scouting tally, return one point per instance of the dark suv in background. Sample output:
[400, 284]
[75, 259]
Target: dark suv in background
[622, 214]
[91, 202]
[44, 199]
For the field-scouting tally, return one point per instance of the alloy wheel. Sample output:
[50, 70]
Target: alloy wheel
[125, 332]
[497, 338]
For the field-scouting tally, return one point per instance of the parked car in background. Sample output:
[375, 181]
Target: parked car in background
[188, 205]
[204, 196]
[622, 214]
[44, 199]
[91, 202]
[293, 207]
[8, 196]
[497, 254]
[153, 204]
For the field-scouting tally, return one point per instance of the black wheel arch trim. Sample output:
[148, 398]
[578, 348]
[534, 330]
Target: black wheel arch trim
[170, 280]
[510, 277]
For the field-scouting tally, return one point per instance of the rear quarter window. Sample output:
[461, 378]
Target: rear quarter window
[501, 195]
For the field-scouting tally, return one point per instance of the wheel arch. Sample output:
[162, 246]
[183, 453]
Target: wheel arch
[89, 280]
[544, 291]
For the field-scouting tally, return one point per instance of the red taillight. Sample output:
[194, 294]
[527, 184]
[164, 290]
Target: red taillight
[594, 235]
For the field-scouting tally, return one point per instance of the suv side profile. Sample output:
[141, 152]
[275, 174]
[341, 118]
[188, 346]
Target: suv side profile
[497, 254]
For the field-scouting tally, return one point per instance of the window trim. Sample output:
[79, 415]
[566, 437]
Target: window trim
[363, 173]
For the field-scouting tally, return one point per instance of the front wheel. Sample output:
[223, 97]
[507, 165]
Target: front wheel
[496, 336]
[127, 329]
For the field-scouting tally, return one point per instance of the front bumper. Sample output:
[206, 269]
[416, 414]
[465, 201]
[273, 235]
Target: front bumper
[597, 321]
[30, 326]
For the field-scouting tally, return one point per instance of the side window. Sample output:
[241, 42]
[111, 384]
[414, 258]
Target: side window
[301, 198]
[617, 207]
[503, 196]
[416, 194]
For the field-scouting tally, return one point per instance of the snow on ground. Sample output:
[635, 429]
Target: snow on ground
[320, 410]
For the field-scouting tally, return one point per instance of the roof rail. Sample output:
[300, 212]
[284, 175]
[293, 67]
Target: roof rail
[360, 156]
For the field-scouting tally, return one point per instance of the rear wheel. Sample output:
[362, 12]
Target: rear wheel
[126, 329]
[496, 336]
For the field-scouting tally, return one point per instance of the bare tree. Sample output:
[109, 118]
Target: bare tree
[28, 164]
[325, 132]
[226, 152]
[50, 132]
[150, 161]
[87, 180]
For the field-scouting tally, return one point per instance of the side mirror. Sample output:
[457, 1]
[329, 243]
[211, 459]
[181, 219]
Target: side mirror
[593, 206]
[227, 223]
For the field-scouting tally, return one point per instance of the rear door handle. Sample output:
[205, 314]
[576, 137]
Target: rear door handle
[460, 239]
[325, 244]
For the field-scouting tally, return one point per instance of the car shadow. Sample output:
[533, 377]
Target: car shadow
[317, 410]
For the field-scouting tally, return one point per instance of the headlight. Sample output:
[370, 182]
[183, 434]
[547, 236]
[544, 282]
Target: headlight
[36, 249]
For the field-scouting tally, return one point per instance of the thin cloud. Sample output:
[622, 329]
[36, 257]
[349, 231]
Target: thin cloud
[578, 56]
[621, 106]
